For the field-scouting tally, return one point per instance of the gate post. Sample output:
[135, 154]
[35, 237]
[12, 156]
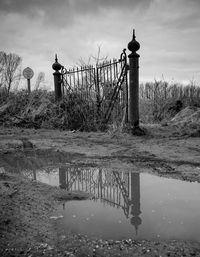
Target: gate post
[57, 79]
[133, 114]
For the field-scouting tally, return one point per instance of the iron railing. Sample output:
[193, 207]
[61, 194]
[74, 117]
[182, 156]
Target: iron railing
[104, 85]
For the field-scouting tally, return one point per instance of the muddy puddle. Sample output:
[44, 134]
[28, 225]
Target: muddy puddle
[124, 204]
[131, 205]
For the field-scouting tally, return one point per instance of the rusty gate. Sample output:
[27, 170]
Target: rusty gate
[104, 85]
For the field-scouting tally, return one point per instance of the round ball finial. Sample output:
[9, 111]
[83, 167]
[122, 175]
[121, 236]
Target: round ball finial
[133, 45]
[56, 66]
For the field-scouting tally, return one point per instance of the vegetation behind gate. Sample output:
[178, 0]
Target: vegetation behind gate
[158, 102]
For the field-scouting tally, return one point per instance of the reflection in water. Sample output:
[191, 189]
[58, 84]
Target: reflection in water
[170, 207]
[135, 197]
[117, 189]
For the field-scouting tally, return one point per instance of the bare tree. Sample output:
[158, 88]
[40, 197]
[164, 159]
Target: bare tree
[39, 80]
[2, 64]
[10, 70]
[96, 79]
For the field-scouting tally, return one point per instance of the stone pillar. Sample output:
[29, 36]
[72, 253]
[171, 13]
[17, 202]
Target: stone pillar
[133, 114]
[57, 79]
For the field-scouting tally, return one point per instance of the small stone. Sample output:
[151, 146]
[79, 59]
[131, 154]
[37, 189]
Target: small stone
[56, 217]
[49, 248]
[43, 245]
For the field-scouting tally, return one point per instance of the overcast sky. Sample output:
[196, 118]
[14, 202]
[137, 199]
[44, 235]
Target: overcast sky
[167, 30]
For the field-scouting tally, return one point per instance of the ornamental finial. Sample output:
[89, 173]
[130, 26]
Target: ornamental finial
[133, 45]
[134, 33]
[56, 66]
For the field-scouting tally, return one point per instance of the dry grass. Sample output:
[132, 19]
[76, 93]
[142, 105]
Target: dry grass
[159, 103]
[158, 100]
[40, 110]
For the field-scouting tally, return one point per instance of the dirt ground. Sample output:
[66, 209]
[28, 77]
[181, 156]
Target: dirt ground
[26, 206]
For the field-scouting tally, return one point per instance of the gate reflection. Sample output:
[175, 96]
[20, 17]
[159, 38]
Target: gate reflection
[117, 189]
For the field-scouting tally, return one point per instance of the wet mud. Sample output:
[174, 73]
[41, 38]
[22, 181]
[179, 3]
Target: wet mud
[27, 205]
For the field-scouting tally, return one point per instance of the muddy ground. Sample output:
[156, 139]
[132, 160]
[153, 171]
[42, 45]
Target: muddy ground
[26, 206]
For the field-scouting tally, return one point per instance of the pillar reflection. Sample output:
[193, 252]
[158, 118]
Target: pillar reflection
[135, 201]
[62, 178]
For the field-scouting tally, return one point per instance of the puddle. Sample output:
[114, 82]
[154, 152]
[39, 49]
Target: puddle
[126, 205]
[131, 205]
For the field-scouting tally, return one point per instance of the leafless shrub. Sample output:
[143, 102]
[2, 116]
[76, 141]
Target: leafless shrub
[161, 100]
[39, 80]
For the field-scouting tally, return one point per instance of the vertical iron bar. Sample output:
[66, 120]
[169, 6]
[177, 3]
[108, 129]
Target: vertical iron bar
[77, 73]
[70, 82]
[74, 78]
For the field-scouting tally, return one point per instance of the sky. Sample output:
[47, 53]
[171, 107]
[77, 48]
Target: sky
[168, 32]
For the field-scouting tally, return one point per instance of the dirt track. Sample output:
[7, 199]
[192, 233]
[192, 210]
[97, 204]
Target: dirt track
[161, 151]
[26, 205]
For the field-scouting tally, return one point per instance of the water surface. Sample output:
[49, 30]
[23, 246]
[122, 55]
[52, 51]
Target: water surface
[131, 205]
[125, 204]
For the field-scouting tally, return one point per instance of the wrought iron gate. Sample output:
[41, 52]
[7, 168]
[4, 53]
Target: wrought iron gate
[104, 85]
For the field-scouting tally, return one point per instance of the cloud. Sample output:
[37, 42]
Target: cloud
[30, 6]
[180, 15]
[65, 12]
[82, 6]
[168, 32]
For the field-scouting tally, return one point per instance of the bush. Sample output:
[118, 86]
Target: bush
[40, 110]
[161, 101]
